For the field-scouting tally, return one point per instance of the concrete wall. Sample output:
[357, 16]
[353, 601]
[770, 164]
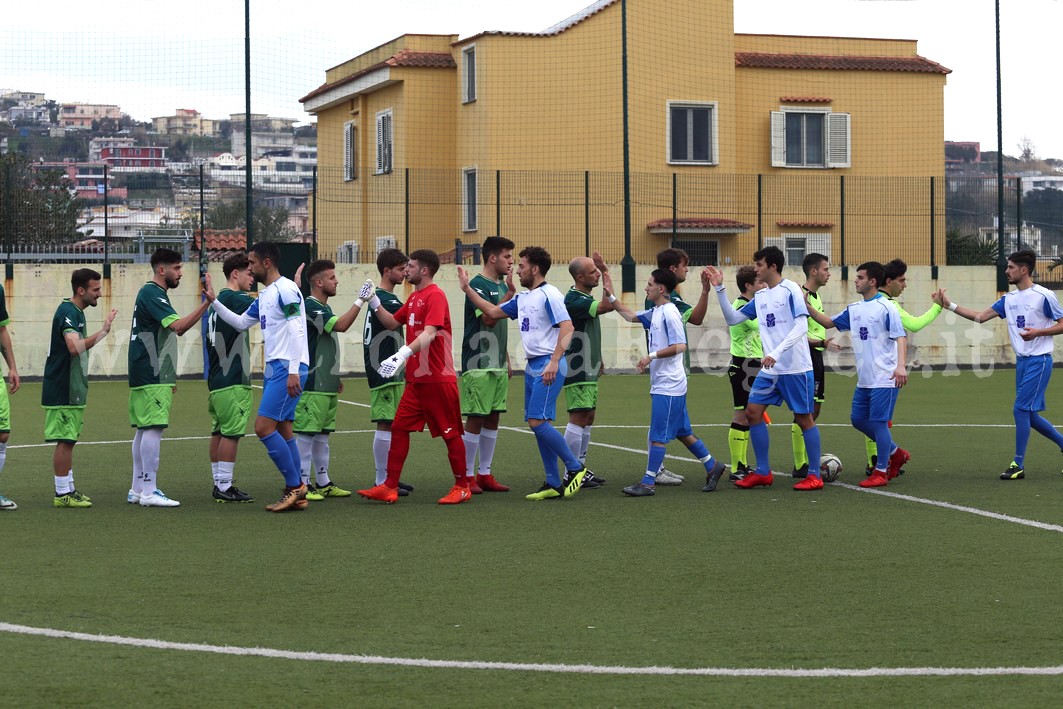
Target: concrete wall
[35, 291]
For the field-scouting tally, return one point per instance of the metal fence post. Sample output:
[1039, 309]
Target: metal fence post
[406, 202]
[106, 224]
[586, 212]
[933, 232]
[498, 202]
[841, 226]
[760, 212]
[675, 209]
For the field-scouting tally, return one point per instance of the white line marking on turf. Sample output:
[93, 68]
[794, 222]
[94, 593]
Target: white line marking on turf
[531, 666]
[129, 441]
[342, 401]
[685, 459]
[843, 425]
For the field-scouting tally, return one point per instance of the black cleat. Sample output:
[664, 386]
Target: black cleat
[590, 480]
[639, 490]
[1014, 472]
[713, 478]
[739, 473]
[800, 473]
[233, 494]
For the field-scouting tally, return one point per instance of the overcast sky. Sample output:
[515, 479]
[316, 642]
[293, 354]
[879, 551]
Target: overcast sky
[150, 60]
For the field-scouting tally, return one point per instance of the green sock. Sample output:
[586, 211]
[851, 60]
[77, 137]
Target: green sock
[797, 437]
[737, 442]
[872, 449]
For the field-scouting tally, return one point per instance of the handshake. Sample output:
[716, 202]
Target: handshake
[368, 293]
[391, 365]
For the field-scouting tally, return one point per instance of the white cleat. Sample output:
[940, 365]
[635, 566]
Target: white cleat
[667, 477]
[7, 504]
[132, 497]
[158, 498]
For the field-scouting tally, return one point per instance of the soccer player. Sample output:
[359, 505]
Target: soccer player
[1033, 316]
[229, 379]
[152, 372]
[817, 273]
[746, 352]
[378, 344]
[485, 364]
[786, 368]
[65, 390]
[431, 393]
[879, 344]
[545, 332]
[315, 415]
[583, 359]
[668, 383]
[281, 312]
[13, 383]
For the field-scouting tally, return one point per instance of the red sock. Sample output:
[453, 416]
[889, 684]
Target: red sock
[400, 448]
[456, 456]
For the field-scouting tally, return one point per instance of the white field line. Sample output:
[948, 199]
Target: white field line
[826, 672]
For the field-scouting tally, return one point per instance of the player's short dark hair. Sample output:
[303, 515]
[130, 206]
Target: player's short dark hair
[81, 278]
[236, 262]
[494, 245]
[665, 277]
[672, 258]
[389, 258]
[267, 250]
[772, 256]
[319, 266]
[537, 256]
[744, 276]
[164, 256]
[1024, 257]
[427, 258]
[894, 270]
[874, 270]
[812, 261]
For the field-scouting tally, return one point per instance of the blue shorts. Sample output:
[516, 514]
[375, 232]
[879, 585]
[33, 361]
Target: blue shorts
[874, 404]
[1031, 381]
[668, 418]
[796, 390]
[276, 404]
[540, 400]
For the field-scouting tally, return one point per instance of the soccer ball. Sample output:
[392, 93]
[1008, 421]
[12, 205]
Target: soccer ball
[830, 466]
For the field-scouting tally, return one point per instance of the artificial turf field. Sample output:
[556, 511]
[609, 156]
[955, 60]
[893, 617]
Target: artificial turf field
[764, 579]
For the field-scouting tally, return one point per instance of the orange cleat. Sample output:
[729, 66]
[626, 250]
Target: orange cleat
[897, 459]
[876, 479]
[382, 493]
[489, 484]
[756, 480]
[812, 482]
[456, 496]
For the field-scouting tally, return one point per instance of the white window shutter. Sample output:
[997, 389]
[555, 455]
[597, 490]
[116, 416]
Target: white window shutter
[778, 139]
[388, 143]
[838, 141]
[380, 143]
[348, 151]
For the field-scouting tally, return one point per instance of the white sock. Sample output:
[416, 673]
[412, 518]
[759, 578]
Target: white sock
[3, 455]
[574, 438]
[62, 485]
[214, 471]
[150, 442]
[138, 463]
[320, 455]
[223, 478]
[472, 447]
[305, 442]
[381, 446]
[488, 439]
[70, 480]
[585, 444]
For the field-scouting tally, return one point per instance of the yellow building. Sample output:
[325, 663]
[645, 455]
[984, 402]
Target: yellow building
[813, 143]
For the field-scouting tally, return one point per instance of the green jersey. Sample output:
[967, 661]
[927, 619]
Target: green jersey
[685, 311]
[584, 354]
[745, 336]
[228, 351]
[379, 343]
[484, 347]
[152, 347]
[815, 330]
[66, 380]
[910, 322]
[5, 320]
[321, 342]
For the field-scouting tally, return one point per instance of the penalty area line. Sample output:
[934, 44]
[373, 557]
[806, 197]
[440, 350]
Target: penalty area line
[559, 668]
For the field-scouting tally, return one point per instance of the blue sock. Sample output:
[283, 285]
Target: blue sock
[551, 447]
[811, 436]
[1045, 428]
[654, 461]
[1022, 434]
[702, 453]
[883, 442]
[278, 451]
[758, 436]
[297, 461]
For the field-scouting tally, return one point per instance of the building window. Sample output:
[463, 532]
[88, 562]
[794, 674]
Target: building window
[350, 154]
[468, 56]
[469, 198]
[810, 138]
[702, 252]
[384, 142]
[692, 133]
[797, 246]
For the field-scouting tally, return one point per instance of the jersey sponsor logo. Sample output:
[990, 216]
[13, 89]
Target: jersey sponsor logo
[864, 334]
[769, 320]
[525, 324]
[1020, 321]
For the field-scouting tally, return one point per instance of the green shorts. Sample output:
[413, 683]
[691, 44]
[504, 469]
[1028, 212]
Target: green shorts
[5, 408]
[63, 423]
[484, 392]
[316, 412]
[384, 401]
[230, 410]
[149, 406]
[582, 396]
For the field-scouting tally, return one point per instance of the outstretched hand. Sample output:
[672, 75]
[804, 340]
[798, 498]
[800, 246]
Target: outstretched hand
[713, 274]
[463, 278]
[367, 290]
[599, 262]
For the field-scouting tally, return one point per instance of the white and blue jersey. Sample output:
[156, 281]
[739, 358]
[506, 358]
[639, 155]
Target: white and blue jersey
[665, 327]
[780, 312]
[538, 313]
[875, 325]
[281, 313]
[1033, 307]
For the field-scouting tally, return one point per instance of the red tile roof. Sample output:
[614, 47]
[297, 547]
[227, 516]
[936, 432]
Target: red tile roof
[691, 223]
[914, 64]
[223, 239]
[805, 225]
[403, 58]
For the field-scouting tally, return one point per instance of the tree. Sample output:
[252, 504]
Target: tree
[1027, 150]
[36, 205]
[271, 224]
